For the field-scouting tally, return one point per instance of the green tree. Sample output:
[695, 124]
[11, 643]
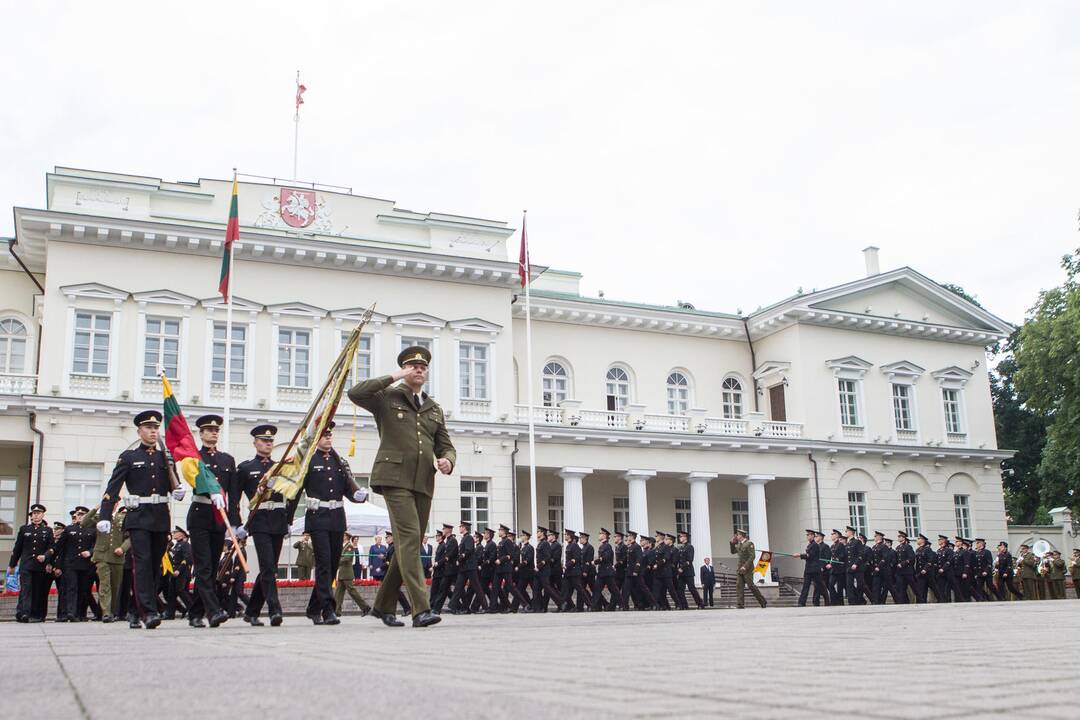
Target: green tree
[1020, 429]
[1047, 354]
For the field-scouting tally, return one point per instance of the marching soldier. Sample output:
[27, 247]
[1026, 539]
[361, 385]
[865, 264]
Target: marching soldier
[545, 569]
[983, 568]
[144, 473]
[556, 563]
[837, 567]
[181, 557]
[888, 572]
[268, 525]
[1074, 570]
[327, 483]
[588, 570]
[1057, 575]
[619, 546]
[468, 559]
[826, 578]
[73, 551]
[905, 569]
[1029, 565]
[662, 586]
[855, 587]
[404, 472]
[33, 541]
[745, 554]
[440, 566]
[108, 558]
[345, 577]
[526, 572]
[1004, 567]
[635, 586]
[686, 571]
[573, 573]
[812, 569]
[605, 573]
[925, 568]
[305, 557]
[206, 526]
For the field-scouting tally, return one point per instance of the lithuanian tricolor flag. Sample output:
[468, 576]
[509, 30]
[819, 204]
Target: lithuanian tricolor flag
[232, 232]
[189, 464]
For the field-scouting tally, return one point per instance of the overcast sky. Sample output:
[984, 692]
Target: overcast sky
[719, 153]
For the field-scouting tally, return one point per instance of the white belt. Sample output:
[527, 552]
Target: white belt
[272, 506]
[316, 504]
[202, 500]
[132, 501]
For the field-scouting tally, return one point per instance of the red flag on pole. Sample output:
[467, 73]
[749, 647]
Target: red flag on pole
[299, 93]
[523, 256]
[232, 234]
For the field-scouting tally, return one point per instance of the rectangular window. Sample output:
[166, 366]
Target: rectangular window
[740, 515]
[82, 484]
[849, 403]
[901, 402]
[912, 526]
[682, 515]
[91, 352]
[8, 490]
[951, 400]
[555, 514]
[162, 347]
[473, 371]
[857, 511]
[621, 519]
[962, 505]
[474, 501]
[294, 358]
[237, 354]
[361, 366]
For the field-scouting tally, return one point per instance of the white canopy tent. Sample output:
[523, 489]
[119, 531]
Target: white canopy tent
[365, 519]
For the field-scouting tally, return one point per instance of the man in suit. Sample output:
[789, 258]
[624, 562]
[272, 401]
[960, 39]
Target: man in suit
[708, 582]
[413, 445]
[425, 557]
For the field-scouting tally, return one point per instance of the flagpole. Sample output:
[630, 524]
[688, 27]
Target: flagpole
[227, 409]
[529, 375]
[296, 130]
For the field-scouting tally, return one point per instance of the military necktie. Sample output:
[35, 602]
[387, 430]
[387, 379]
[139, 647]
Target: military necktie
[416, 401]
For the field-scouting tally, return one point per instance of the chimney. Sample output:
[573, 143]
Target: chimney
[872, 266]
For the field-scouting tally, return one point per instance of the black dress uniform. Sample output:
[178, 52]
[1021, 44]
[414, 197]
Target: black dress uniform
[438, 572]
[635, 586]
[812, 571]
[905, 571]
[268, 525]
[182, 559]
[946, 574]
[663, 584]
[67, 552]
[605, 576]
[143, 473]
[468, 563]
[588, 571]
[557, 567]
[207, 531]
[572, 577]
[888, 573]
[1006, 571]
[327, 483]
[504, 571]
[32, 541]
[449, 566]
[545, 570]
[620, 562]
[855, 571]
[686, 574]
[838, 579]
[984, 572]
[526, 573]
[925, 570]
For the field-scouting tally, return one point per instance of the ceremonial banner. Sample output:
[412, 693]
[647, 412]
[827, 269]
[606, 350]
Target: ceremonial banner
[232, 233]
[762, 566]
[178, 439]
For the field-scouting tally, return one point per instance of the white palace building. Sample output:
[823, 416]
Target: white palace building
[865, 404]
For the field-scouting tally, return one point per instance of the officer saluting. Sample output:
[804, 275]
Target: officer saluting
[268, 526]
[327, 482]
[143, 472]
[33, 541]
[404, 473]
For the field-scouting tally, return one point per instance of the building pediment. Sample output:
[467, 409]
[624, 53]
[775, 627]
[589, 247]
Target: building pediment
[96, 291]
[238, 303]
[475, 325]
[297, 308]
[770, 368]
[354, 314]
[849, 366]
[902, 369]
[165, 297]
[418, 320]
[953, 375]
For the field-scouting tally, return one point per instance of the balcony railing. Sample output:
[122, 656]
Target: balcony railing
[475, 409]
[18, 384]
[604, 419]
[726, 426]
[907, 437]
[622, 420]
[781, 429]
[541, 415]
[667, 423]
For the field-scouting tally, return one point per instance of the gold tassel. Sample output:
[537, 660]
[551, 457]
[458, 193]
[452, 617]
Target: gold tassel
[356, 375]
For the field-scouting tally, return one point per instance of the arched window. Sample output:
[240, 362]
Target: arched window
[678, 394]
[732, 397]
[555, 384]
[12, 346]
[617, 389]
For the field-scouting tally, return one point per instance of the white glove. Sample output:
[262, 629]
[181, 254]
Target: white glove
[104, 526]
[240, 532]
[360, 495]
[219, 502]
[179, 492]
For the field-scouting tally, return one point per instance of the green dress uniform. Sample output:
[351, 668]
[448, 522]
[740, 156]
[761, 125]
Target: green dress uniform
[109, 565]
[1074, 570]
[345, 577]
[1028, 571]
[305, 559]
[412, 435]
[1056, 578]
[746, 555]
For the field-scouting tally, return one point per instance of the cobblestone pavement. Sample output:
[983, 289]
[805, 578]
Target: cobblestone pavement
[926, 661]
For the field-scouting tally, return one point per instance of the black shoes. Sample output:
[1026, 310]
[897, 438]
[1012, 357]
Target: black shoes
[134, 624]
[196, 622]
[315, 619]
[387, 620]
[331, 618]
[217, 618]
[253, 621]
[152, 620]
[22, 618]
[426, 619]
[107, 619]
[275, 619]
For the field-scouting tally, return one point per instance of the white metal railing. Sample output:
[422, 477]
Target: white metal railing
[725, 426]
[776, 429]
[541, 415]
[667, 423]
[604, 419]
[18, 384]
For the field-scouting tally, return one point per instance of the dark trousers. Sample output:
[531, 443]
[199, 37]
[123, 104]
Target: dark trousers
[437, 596]
[900, 589]
[33, 594]
[661, 588]
[77, 592]
[506, 588]
[574, 584]
[598, 591]
[268, 550]
[816, 581]
[837, 585]
[206, 547]
[635, 587]
[545, 591]
[1007, 582]
[327, 547]
[147, 547]
[707, 595]
[922, 585]
[177, 594]
[526, 590]
[984, 585]
[855, 588]
[687, 582]
[468, 579]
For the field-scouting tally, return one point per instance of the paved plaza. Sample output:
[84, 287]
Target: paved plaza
[939, 661]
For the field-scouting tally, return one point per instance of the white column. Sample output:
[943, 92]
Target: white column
[636, 480]
[700, 527]
[573, 497]
[759, 517]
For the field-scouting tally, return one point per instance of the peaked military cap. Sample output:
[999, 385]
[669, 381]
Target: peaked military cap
[740, 531]
[389, 532]
[1004, 543]
[504, 528]
[525, 532]
[837, 531]
[37, 507]
[619, 534]
[58, 525]
[862, 537]
[924, 538]
[264, 432]
[848, 527]
[466, 524]
[812, 532]
[901, 533]
[982, 540]
[672, 537]
[329, 426]
[72, 512]
[148, 417]
[81, 509]
[605, 531]
[943, 537]
[489, 530]
[631, 533]
[661, 533]
[209, 422]
[878, 533]
[888, 541]
[447, 526]
[582, 533]
[414, 354]
[684, 532]
[542, 529]
[819, 533]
